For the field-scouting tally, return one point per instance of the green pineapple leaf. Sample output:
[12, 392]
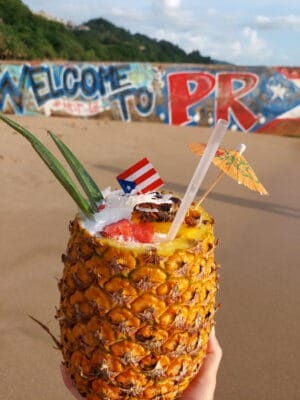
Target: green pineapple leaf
[53, 164]
[85, 180]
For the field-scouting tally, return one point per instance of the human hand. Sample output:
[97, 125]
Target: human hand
[202, 387]
[204, 384]
[69, 384]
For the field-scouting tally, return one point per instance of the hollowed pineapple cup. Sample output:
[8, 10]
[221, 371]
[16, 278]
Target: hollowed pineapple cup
[135, 320]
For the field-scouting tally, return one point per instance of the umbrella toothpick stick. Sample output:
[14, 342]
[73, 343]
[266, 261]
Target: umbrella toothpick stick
[240, 149]
[198, 176]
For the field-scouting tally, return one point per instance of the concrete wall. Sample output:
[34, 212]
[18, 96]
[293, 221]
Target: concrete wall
[253, 99]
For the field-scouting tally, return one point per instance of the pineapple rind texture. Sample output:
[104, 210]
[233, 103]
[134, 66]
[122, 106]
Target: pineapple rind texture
[135, 321]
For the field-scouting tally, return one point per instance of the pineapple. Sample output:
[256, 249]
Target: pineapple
[134, 318]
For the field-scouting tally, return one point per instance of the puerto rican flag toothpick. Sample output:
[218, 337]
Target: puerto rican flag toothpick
[141, 177]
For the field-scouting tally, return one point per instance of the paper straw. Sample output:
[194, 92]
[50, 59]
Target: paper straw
[199, 174]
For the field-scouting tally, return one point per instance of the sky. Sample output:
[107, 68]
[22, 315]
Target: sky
[256, 32]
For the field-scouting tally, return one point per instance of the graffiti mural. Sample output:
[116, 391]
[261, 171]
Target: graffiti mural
[252, 99]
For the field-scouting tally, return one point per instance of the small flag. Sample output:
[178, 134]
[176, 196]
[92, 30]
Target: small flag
[141, 177]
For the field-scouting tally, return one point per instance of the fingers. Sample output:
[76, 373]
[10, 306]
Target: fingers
[204, 384]
[202, 387]
[69, 384]
[213, 358]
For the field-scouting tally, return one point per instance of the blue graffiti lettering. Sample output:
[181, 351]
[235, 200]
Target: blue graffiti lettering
[11, 92]
[143, 101]
[55, 92]
[42, 84]
[110, 78]
[121, 99]
[70, 81]
[39, 84]
[116, 77]
[89, 81]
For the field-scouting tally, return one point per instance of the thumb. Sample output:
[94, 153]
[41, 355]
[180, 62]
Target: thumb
[69, 384]
[204, 384]
[213, 358]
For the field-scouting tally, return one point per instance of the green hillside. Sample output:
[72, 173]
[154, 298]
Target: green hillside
[26, 36]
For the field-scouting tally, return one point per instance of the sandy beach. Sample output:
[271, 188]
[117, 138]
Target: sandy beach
[258, 323]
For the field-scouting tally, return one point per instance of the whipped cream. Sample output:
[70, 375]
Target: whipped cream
[118, 205]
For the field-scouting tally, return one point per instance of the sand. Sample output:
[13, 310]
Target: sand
[258, 323]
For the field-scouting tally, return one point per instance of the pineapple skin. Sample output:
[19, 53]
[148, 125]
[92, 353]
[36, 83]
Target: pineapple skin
[135, 321]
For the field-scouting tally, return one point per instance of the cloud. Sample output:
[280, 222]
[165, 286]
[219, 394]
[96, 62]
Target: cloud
[211, 11]
[254, 43]
[236, 48]
[213, 33]
[171, 36]
[122, 13]
[243, 46]
[291, 21]
[220, 31]
[172, 3]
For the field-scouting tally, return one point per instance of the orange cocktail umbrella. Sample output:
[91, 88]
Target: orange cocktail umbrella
[232, 163]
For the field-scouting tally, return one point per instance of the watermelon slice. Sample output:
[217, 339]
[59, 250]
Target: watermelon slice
[142, 232]
[116, 229]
